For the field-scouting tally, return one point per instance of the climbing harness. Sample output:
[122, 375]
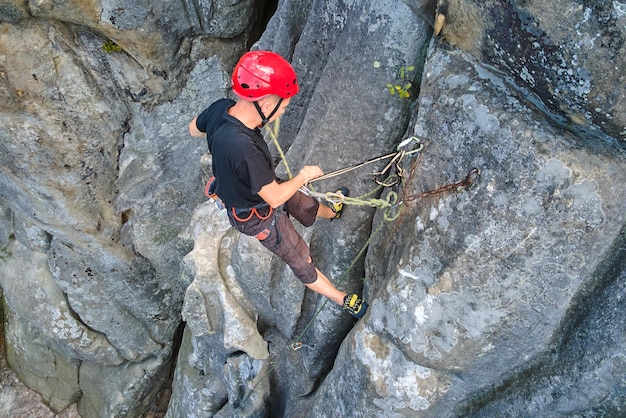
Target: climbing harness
[245, 214]
[263, 235]
[241, 214]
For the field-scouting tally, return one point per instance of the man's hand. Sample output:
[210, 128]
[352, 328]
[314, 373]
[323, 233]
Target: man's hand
[310, 172]
[275, 194]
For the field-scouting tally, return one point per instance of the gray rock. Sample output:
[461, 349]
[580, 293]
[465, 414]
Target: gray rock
[31, 293]
[154, 34]
[196, 391]
[477, 284]
[582, 374]
[41, 367]
[95, 190]
[502, 299]
[227, 351]
[126, 390]
[13, 11]
[568, 56]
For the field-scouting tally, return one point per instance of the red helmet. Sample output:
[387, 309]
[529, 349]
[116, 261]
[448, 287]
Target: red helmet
[261, 73]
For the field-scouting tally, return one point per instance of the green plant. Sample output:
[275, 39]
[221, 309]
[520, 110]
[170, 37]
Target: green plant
[4, 251]
[110, 47]
[403, 84]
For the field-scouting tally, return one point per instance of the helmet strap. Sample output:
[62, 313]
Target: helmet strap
[266, 119]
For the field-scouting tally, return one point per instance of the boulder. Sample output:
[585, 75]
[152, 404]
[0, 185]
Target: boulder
[475, 288]
[91, 213]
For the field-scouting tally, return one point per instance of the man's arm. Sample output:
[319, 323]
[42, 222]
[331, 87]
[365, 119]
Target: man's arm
[275, 194]
[193, 129]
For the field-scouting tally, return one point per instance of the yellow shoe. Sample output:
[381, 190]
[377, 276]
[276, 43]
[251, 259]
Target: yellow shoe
[355, 305]
[337, 207]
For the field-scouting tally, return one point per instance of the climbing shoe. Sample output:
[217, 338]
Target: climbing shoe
[355, 305]
[337, 206]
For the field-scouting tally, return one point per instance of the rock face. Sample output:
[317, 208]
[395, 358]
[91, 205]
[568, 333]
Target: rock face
[96, 183]
[490, 279]
[498, 297]
[570, 56]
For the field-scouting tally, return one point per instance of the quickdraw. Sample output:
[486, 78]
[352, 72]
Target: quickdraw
[384, 173]
[396, 158]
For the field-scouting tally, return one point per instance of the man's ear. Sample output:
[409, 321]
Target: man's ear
[268, 103]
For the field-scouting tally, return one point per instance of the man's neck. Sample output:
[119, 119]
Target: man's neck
[245, 113]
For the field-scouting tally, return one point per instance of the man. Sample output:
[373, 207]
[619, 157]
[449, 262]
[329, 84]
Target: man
[257, 203]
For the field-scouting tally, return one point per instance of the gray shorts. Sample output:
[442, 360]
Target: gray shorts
[280, 236]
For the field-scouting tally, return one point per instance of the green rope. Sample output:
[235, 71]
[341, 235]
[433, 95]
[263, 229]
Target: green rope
[334, 197]
[273, 130]
[389, 204]
[387, 216]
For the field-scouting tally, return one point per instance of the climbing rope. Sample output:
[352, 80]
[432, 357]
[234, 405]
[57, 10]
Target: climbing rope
[390, 203]
[365, 200]
[273, 130]
[396, 158]
[297, 342]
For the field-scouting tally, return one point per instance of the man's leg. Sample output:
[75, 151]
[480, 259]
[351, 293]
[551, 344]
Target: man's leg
[352, 303]
[285, 242]
[325, 212]
[306, 209]
[324, 287]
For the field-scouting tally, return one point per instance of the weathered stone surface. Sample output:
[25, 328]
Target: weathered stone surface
[64, 130]
[12, 11]
[569, 56]
[155, 34]
[196, 391]
[17, 400]
[39, 366]
[222, 342]
[97, 172]
[472, 288]
[30, 292]
[125, 391]
[95, 190]
[584, 370]
[213, 303]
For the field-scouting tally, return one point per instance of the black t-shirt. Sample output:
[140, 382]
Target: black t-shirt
[242, 163]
